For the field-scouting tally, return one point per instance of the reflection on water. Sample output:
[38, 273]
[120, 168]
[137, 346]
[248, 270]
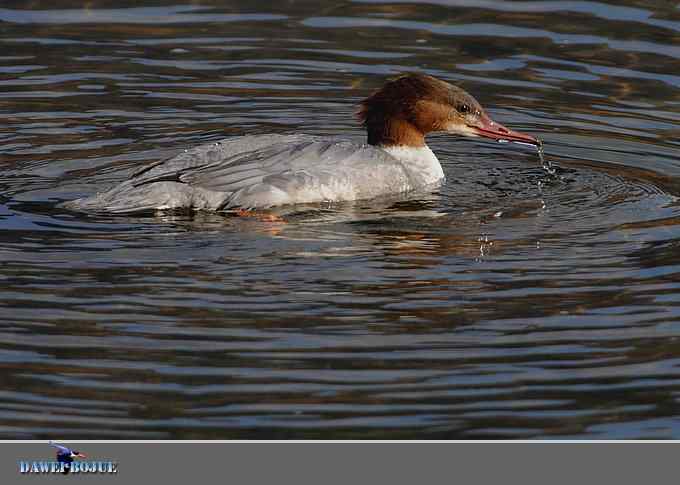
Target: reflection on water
[507, 304]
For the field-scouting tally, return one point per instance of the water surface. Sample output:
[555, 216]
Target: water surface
[508, 304]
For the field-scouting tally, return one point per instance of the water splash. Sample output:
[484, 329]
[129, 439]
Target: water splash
[545, 163]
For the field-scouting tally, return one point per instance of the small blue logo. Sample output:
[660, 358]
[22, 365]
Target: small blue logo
[66, 463]
[65, 456]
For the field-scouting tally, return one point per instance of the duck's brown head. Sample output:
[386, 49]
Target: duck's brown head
[409, 107]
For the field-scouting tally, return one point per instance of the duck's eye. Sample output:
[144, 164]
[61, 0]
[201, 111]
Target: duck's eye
[463, 108]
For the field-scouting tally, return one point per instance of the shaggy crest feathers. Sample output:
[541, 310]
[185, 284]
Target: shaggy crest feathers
[398, 95]
[396, 111]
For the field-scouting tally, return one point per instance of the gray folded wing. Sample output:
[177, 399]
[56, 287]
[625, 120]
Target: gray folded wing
[249, 171]
[223, 153]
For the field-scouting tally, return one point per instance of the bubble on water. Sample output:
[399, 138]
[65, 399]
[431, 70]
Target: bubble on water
[484, 247]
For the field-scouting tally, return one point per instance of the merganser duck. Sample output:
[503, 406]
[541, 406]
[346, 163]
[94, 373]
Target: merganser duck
[262, 171]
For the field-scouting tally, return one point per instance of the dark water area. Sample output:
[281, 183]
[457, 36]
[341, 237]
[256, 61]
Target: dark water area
[507, 304]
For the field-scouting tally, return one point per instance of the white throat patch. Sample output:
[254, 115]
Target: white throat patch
[458, 129]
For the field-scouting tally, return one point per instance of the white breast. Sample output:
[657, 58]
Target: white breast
[421, 163]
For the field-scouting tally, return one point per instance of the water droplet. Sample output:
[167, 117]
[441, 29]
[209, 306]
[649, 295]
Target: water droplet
[547, 165]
